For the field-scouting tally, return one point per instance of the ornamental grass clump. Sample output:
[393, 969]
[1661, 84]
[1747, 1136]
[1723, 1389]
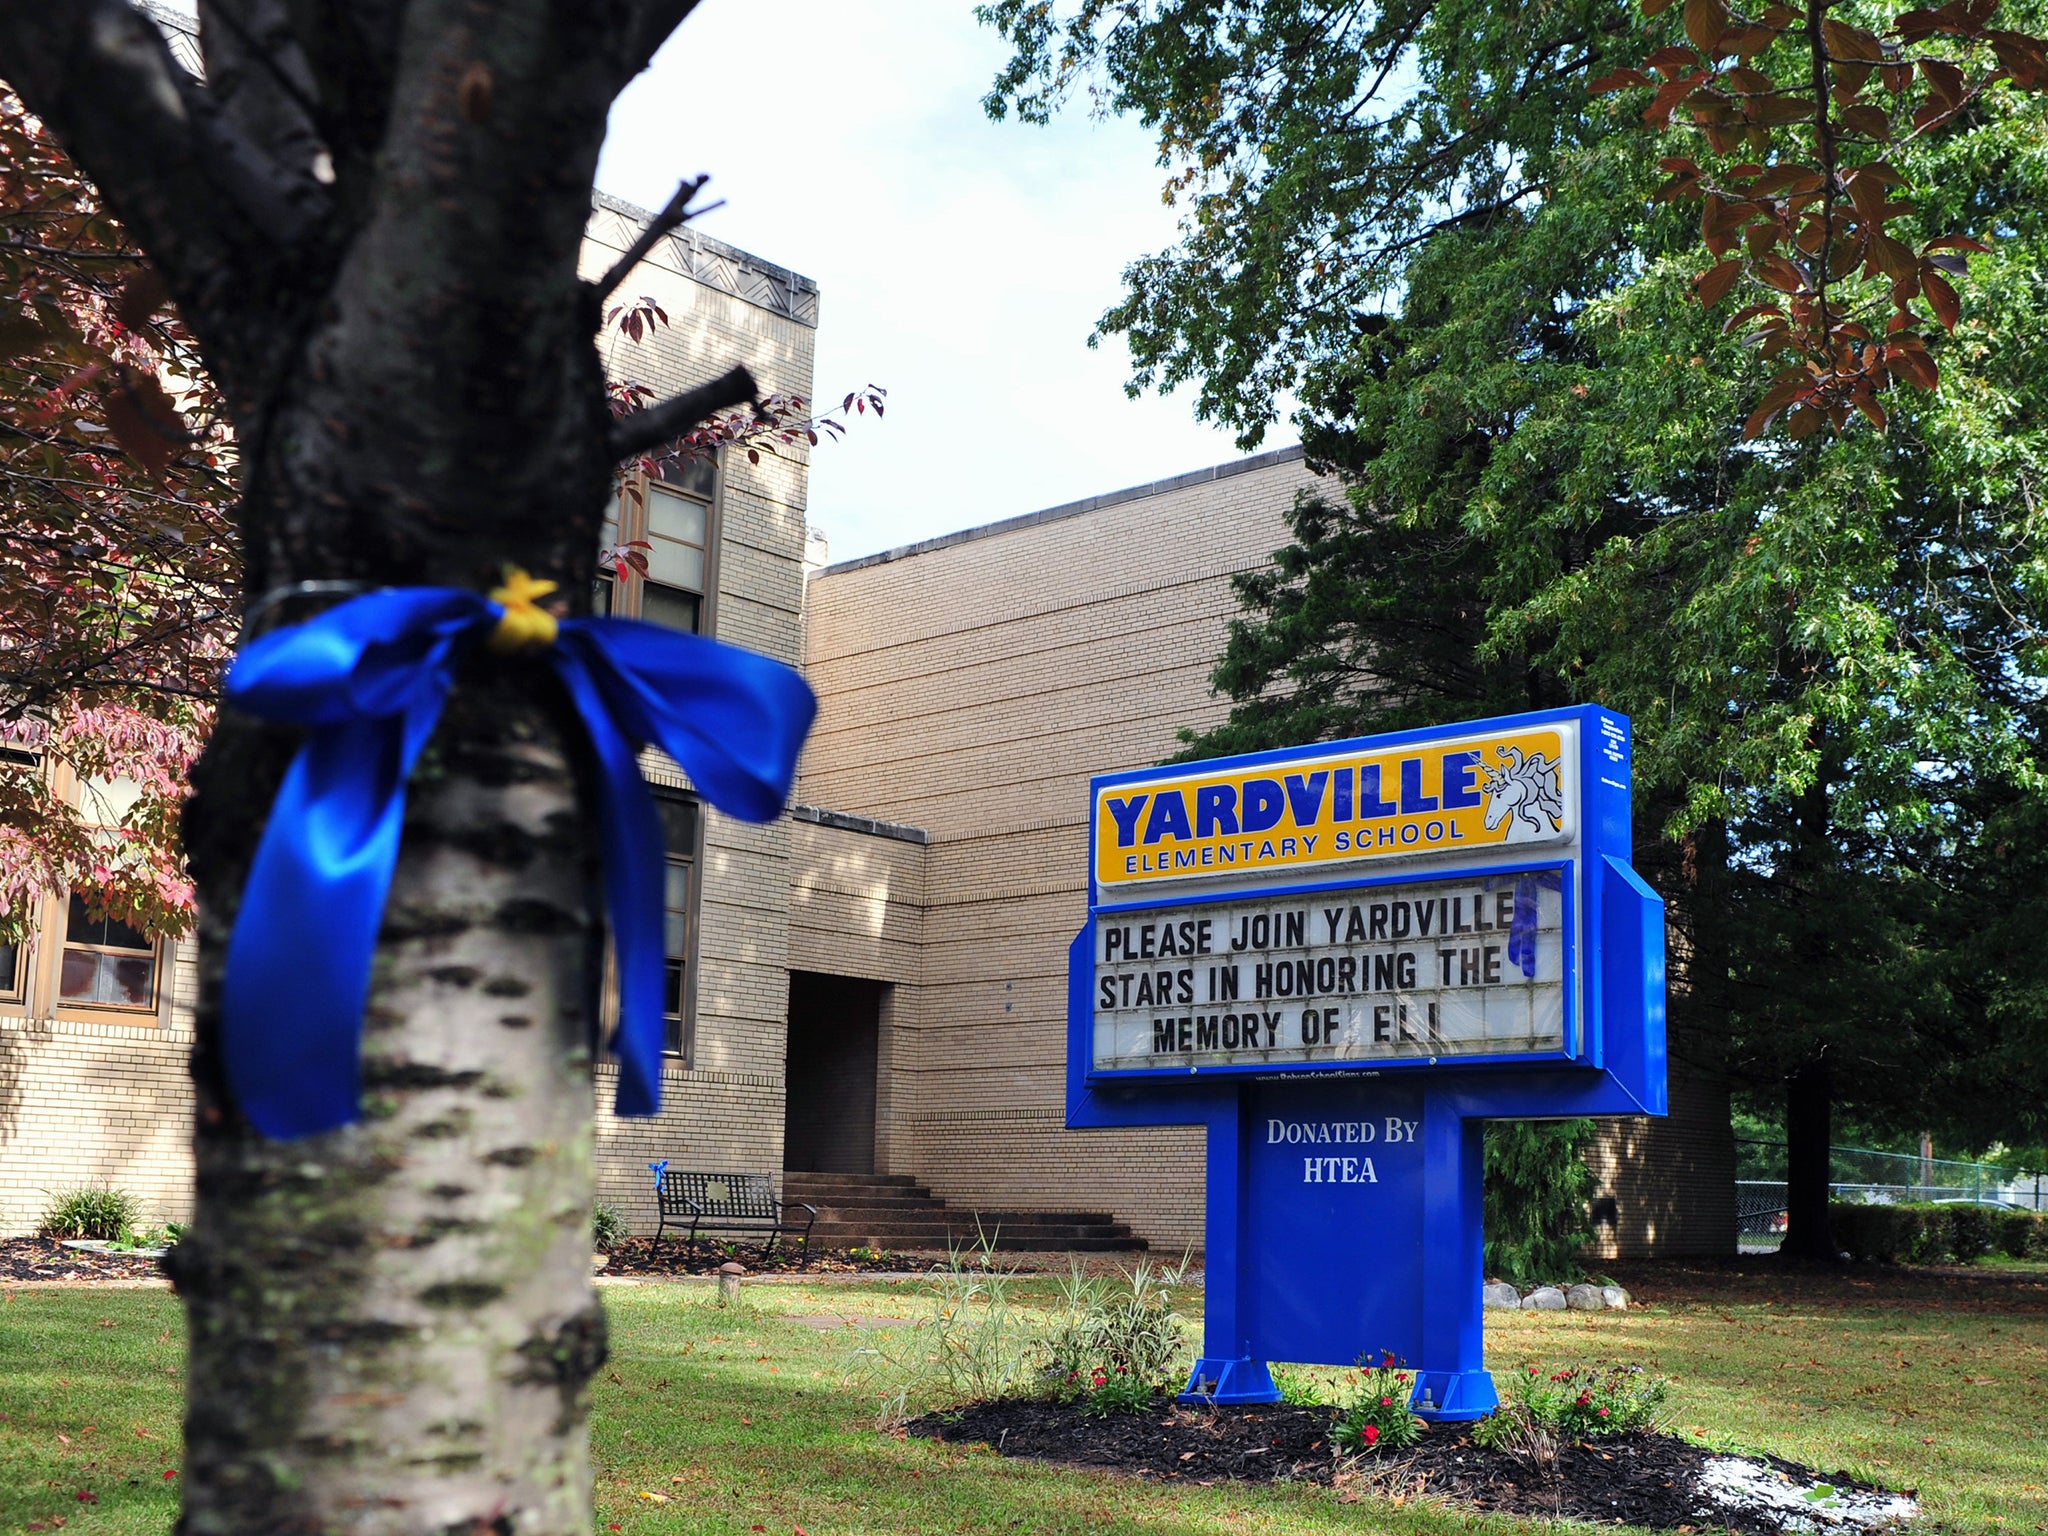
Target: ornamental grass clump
[970, 1344]
[1120, 1342]
[1374, 1415]
[101, 1214]
[1549, 1409]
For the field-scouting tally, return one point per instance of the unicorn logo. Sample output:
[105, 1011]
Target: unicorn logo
[1522, 791]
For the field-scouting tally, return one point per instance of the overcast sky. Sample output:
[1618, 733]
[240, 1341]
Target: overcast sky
[962, 262]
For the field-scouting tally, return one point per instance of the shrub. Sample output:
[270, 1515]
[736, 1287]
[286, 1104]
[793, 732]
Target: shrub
[1376, 1416]
[1869, 1231]
[1921, 1233]
[607, 1226]
[1123, 1333]
[1930, 1233]
[1296, 1390]
[1970, 1232]
[1537, 1186]
[1546, 1409]
[1121, 1393]
[2012, 1233]
[96, 1213]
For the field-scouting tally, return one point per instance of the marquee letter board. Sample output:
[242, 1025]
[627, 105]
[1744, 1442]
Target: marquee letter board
[1341, 960]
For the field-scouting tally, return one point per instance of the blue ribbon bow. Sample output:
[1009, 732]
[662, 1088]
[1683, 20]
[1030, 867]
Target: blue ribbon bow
[368, 680]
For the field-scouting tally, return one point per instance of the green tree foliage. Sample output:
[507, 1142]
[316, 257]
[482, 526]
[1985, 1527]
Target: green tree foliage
[1537, 1188]
[1416, 221]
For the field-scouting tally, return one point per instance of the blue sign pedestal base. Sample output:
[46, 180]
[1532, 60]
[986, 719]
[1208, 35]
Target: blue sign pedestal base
[1230, 1381]
[1325, 1198]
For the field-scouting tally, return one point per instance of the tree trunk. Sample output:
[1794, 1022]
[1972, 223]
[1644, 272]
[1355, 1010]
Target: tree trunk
[370, 217]
[1809, 1106]
[392, 1324]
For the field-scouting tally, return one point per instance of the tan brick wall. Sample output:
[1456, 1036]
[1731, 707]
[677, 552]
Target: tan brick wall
[1671, 1182]
[723, 1109]
[99, 1103]
[971, 689]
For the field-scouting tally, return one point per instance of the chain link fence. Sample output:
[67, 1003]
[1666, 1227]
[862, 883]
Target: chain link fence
[1862, 1174]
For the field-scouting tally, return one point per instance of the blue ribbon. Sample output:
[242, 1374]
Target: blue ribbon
[1522, 929]
[368, 680]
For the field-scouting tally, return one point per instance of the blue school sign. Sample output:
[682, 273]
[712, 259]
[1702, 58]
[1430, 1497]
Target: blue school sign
[1341, 961]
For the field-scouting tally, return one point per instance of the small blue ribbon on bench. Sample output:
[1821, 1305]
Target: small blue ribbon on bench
[368, 679]
[658, 1170]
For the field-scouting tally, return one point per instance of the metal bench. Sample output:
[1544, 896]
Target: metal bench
[729, 1202]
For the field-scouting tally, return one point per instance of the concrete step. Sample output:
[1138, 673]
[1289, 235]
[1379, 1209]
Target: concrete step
[834, 1200]
[842, 1234]
[893, 1210]
[1005, 1244]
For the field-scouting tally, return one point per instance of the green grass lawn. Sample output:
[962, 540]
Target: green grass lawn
[710, 1420]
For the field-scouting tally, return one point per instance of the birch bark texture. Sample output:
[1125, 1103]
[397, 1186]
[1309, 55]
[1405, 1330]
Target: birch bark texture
[369, 214]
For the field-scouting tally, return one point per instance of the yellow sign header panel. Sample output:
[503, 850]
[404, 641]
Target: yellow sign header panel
[1452, 794]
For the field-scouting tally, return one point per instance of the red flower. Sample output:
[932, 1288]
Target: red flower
[170, 1473]
[1372, 1434]
[1386, 1402]
[1603, 1413]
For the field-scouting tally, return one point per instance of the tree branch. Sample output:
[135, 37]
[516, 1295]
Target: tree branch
[658, 424]
[198, 198]
[257, 72]
[674, 214]
[653, 22]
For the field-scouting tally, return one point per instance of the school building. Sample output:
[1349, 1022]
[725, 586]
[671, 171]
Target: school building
[875, 984]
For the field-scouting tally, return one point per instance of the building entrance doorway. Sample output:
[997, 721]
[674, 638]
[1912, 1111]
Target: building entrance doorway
[829, 1074]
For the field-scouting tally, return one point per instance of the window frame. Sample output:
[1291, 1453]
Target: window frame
[17, 987]
[66, 945]
[684, 1051]
[44, 979]
[633, 516]
[14, 988]
[684, 1048]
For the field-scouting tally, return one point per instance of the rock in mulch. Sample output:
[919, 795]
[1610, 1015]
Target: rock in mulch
[1650, 1480]
[44, 1258]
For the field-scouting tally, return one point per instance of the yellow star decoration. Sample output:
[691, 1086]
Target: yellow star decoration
[524, 624]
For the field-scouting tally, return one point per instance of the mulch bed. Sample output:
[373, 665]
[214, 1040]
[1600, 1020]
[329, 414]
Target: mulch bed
[44, 1258]
[641, 1256]
[1636, 1479]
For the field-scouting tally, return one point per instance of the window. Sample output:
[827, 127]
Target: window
[601, 589]
[670, 523]
[678, 530]
[14, 956]
[106, 963]
[13, 984]
[681, 819]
